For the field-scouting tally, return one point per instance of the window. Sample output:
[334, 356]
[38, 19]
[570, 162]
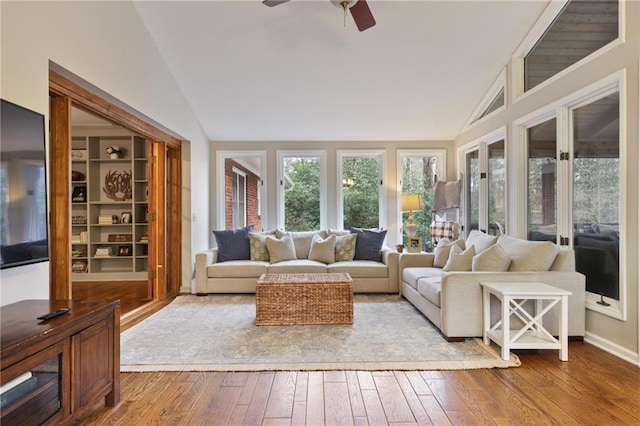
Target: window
[579, 29]
[418, 171]
[496, 103]
[302, 194]
[472, 194]
[496, 182]
[576, 186]
[238, 198]
[493, 100]
[360, 183]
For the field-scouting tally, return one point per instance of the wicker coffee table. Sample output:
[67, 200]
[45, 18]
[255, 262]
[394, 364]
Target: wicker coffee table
[285, 299]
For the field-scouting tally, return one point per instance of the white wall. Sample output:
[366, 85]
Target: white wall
[106, 44]
[331, 148]
[619, 337]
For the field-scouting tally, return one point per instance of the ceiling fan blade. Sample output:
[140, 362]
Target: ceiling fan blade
[272, 3]
[362, 15]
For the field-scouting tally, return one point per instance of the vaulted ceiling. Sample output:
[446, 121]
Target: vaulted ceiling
[294, 72]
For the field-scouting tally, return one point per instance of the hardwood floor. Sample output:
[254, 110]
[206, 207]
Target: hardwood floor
[593, 387]
[132, 294]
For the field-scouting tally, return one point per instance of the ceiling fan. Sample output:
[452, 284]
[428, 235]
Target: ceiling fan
[359, 9]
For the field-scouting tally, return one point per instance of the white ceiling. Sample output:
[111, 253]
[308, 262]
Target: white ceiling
[294, 73]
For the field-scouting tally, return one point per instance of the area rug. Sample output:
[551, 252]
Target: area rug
[218, 333]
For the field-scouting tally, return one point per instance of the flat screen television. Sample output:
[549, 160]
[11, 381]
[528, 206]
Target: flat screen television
[23, 187]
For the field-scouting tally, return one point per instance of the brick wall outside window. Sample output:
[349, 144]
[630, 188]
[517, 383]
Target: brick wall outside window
[253, 182]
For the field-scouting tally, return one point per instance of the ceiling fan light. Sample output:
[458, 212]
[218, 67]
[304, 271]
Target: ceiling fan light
[339, 3]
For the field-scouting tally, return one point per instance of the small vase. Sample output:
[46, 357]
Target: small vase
[114, 156]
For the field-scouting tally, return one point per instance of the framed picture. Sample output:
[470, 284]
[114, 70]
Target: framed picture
[79, 194]
[414, 245]
[124, 251]
[125, 217]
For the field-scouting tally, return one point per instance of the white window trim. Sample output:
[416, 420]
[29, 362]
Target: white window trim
[540, 27]
[559, 109]
[239, 172]
[221, 156]
[380, 155]
[441, 171]
[500, 83]
[322, 155]
[481, 144]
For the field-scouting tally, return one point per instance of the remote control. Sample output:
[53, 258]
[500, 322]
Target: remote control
[53, 314]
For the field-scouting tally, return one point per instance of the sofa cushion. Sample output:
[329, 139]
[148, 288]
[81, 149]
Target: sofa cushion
[360, 269]
[237, 269]
[528, 256]
[301, 241]
[258, 245]
[368, 243]
[233, 244]
[412, 275]
[323, 250]
[480, 241]
[345, 247]
[460, 260]
[493, 259]
[337, 232]
[297, 266]
[281, 249]
[430, 288]
[441, 253]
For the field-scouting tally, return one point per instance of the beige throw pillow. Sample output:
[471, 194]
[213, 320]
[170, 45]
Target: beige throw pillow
[345, 247]
[459, 260]
[493, 259]
[323, 250]
[301, 241]
[528, 256]
[480, 241]
[441, 253]
[281, 250]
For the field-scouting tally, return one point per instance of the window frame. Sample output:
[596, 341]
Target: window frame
[539, 29]
[235, 204]
[281, 155]
[500, 83]
[561, 110]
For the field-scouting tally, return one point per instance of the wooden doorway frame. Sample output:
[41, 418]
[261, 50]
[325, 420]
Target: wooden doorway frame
[63, 94]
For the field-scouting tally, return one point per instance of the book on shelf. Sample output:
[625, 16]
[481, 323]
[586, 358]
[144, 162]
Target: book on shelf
[107, 219]
[17, 388]
[79, 266]
[103, 251]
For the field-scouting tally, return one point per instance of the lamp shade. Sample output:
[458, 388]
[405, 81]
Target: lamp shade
[411, 203]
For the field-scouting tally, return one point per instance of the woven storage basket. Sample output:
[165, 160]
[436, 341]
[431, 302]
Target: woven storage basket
[284, 299]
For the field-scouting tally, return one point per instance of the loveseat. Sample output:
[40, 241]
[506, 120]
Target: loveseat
[445, 285]
[361, 253]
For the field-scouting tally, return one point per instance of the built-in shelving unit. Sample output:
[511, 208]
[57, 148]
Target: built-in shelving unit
[109, 206]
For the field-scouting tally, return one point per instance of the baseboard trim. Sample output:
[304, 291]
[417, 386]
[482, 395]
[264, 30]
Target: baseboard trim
[612, 348]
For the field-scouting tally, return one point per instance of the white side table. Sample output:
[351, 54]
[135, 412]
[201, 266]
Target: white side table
[532, 335]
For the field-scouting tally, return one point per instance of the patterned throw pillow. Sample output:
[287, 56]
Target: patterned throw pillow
[258, 245]
[233, 244]
[345, 247]
[323, 250]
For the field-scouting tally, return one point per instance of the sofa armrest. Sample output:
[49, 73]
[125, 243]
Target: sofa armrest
[204, 259]
[390, 258]
[415, 260]
[461, 297]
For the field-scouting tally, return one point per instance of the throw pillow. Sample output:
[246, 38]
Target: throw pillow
[281, 250]
[460, 260]
[528, 256]
[233, 244]
[258, 245]
[493, 259]
[301, 241]
[480, 241]
[323, 250]
[345, 247]
[337, 233]
[441, 253]
[368, 243]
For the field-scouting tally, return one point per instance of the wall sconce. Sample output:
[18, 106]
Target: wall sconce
[411, 203]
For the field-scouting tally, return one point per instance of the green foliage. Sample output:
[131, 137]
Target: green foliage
[361, 200]
[418, 178]
[302, 198]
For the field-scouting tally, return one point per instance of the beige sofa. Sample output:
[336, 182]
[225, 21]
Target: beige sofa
[240, 276]
[452, 299]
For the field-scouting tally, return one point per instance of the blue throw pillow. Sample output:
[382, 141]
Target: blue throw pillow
[233, 244]
[368, 243]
